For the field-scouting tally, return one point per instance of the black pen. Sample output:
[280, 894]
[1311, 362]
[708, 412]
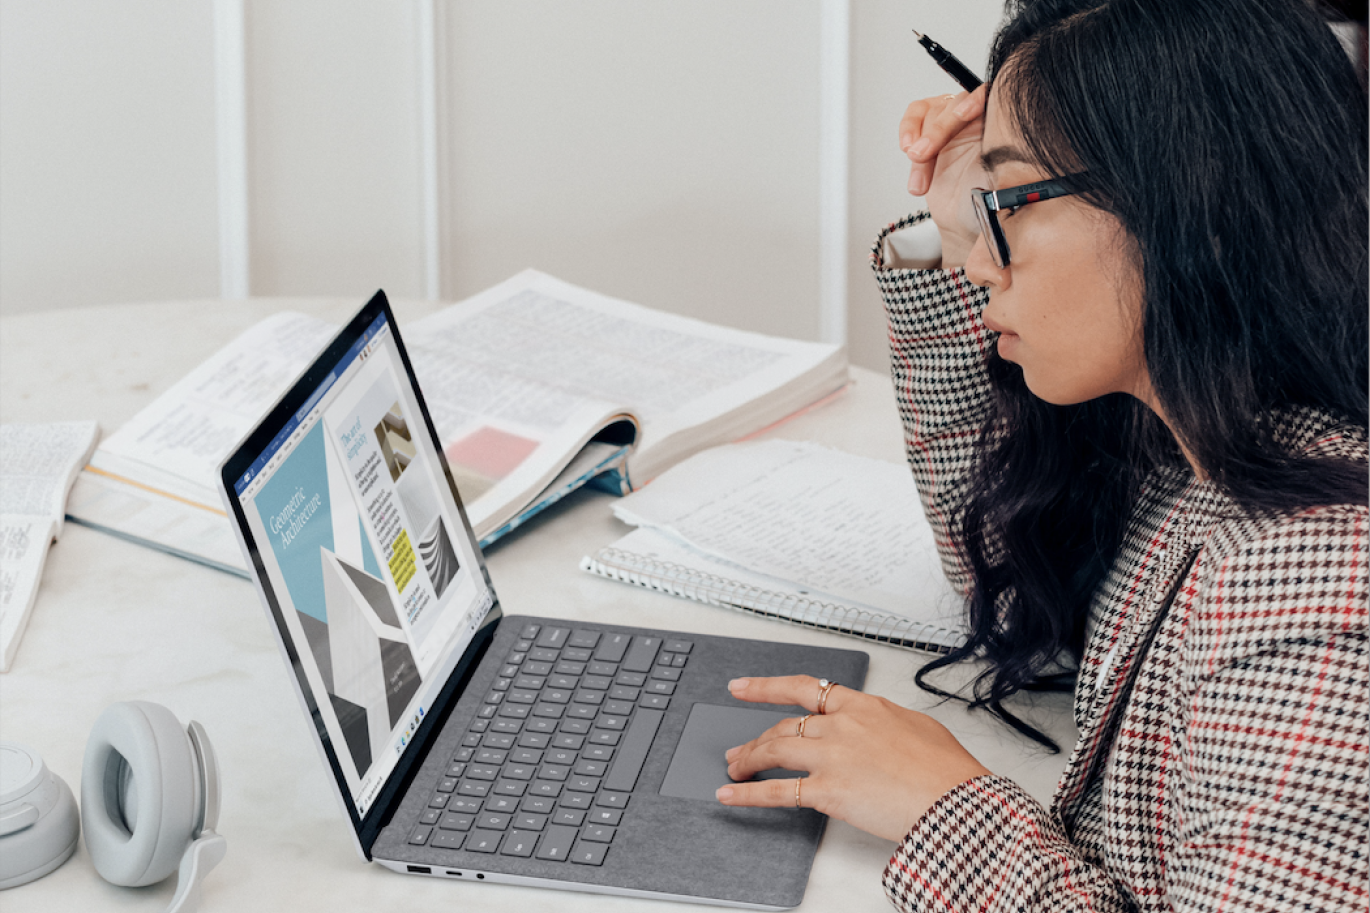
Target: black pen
[949, 64]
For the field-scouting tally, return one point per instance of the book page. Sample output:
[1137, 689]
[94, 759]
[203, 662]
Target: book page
[672, 372]
[831, 522]
[177, 443]
[23, 549]
[37, 465]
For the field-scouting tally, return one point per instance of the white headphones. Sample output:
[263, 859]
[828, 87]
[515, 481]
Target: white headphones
[149, 803]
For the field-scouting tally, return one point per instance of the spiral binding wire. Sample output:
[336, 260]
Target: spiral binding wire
[701, 586]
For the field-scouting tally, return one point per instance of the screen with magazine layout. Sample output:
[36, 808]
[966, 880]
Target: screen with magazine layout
[375, 578]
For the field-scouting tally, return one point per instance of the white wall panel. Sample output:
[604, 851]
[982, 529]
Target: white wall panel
[889, 70]
[662, 152]
[107, 166]
[334, 162]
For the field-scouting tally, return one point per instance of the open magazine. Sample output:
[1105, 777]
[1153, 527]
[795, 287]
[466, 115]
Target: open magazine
[536, 388]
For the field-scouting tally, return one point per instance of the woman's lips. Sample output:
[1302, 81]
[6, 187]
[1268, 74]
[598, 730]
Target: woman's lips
[1001, 330]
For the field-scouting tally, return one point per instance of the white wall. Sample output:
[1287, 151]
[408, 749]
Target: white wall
[667, 152]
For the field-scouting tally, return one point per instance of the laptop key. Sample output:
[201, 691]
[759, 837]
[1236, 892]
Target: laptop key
[524, 645]
[497, 740]
[576, 655]
[534, 740]
[553, 637]
[636, 743]
[530, 682]
[490, 756]
[452, 821]
[571, 816]
[618, 708]
[519, 843]
[506, 726]
[477, 788]
[567, 667]
[583, 784]
[482, 772]
[556, 843]
[527, 822]
[522, 696]
[612, 800]
[549, 711]
[538, 805]
[568, 740]
[669, 674]
[598, 753]
[582, 711]
[679, 646]
[631, 679]
[493, 822]
[591, 768]
[464, 754]
[447, 840]
[420, 835]
[479, 841]
[679, 661]
[430, 816]
[641, 655]
[598, 833]
[554, 772]
[604, 737]
[438, 801]
[470, 740]
[575, 800]
[507, 804]
[519, 771]
[480, 725]
[589, 853]
[525, 756]
[589, 697]
[624, 693]
[548, 788]
[655, 702]
[660, 687]
[564, 682]
[603, 670]
[612, 647]
[594, 682]
[543, 655]
[447, 785]
[612, 722]
[464, 804]
[529, 631]
[585, 639]
[536, 668]
[487, 711]
[576, 726]
[510, 788]
[610, 817]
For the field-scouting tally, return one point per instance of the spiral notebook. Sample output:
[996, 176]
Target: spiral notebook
[796, 532]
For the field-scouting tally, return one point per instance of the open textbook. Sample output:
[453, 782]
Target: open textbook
[793, 531]
[38, 463]
[536, 387]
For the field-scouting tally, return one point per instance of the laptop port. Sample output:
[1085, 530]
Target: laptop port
[420, 869]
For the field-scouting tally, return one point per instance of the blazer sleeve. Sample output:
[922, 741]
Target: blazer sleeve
[938, 347]
[1264, 806]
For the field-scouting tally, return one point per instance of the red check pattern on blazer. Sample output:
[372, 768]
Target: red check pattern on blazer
[1234, 778]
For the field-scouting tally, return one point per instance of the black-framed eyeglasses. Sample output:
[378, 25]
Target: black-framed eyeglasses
[989, 203]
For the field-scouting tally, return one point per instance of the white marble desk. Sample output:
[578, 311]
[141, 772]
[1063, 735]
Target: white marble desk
[114, 621]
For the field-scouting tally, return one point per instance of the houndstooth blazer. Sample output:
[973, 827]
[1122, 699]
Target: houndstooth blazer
[1234, 778]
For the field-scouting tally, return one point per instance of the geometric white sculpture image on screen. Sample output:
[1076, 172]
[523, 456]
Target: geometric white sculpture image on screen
[372, 667]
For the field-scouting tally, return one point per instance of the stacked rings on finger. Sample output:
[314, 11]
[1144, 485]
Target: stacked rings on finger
[798, 784]
[824, 689]
[803, 721]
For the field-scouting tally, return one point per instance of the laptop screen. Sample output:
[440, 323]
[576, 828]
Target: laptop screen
[362, 551]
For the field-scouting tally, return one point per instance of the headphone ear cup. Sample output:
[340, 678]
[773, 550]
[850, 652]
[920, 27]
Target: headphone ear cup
[140, 793]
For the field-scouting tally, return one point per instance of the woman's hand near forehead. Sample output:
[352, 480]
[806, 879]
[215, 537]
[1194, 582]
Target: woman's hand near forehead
[941, 136]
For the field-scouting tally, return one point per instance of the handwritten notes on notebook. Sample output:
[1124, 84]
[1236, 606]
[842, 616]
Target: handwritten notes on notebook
[830, 538]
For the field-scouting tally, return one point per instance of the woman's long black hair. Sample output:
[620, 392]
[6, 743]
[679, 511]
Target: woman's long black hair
[1229, 139]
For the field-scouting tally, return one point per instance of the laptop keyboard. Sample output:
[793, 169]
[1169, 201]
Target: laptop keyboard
[547, 768]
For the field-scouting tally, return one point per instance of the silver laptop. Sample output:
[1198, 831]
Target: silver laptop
[467, 744]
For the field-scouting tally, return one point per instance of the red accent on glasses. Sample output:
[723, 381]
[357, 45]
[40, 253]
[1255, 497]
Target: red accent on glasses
[1033, 197]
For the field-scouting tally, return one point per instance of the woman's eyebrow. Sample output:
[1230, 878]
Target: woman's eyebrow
[991, 159]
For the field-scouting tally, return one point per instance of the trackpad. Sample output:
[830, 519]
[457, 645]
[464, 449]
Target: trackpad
[698, 767]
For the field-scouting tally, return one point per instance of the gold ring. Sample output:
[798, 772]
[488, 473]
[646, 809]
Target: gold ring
[949, 95]
[803, 721]
[798, 784]
[824, 689]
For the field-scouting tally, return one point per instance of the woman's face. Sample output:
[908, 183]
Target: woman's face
[1068, 305]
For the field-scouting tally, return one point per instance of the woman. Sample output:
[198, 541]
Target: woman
[1142, 442]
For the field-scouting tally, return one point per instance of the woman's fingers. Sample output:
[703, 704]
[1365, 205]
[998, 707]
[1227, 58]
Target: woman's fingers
[929, 125]
[779, 746]
[771, 794]
[804, 690]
